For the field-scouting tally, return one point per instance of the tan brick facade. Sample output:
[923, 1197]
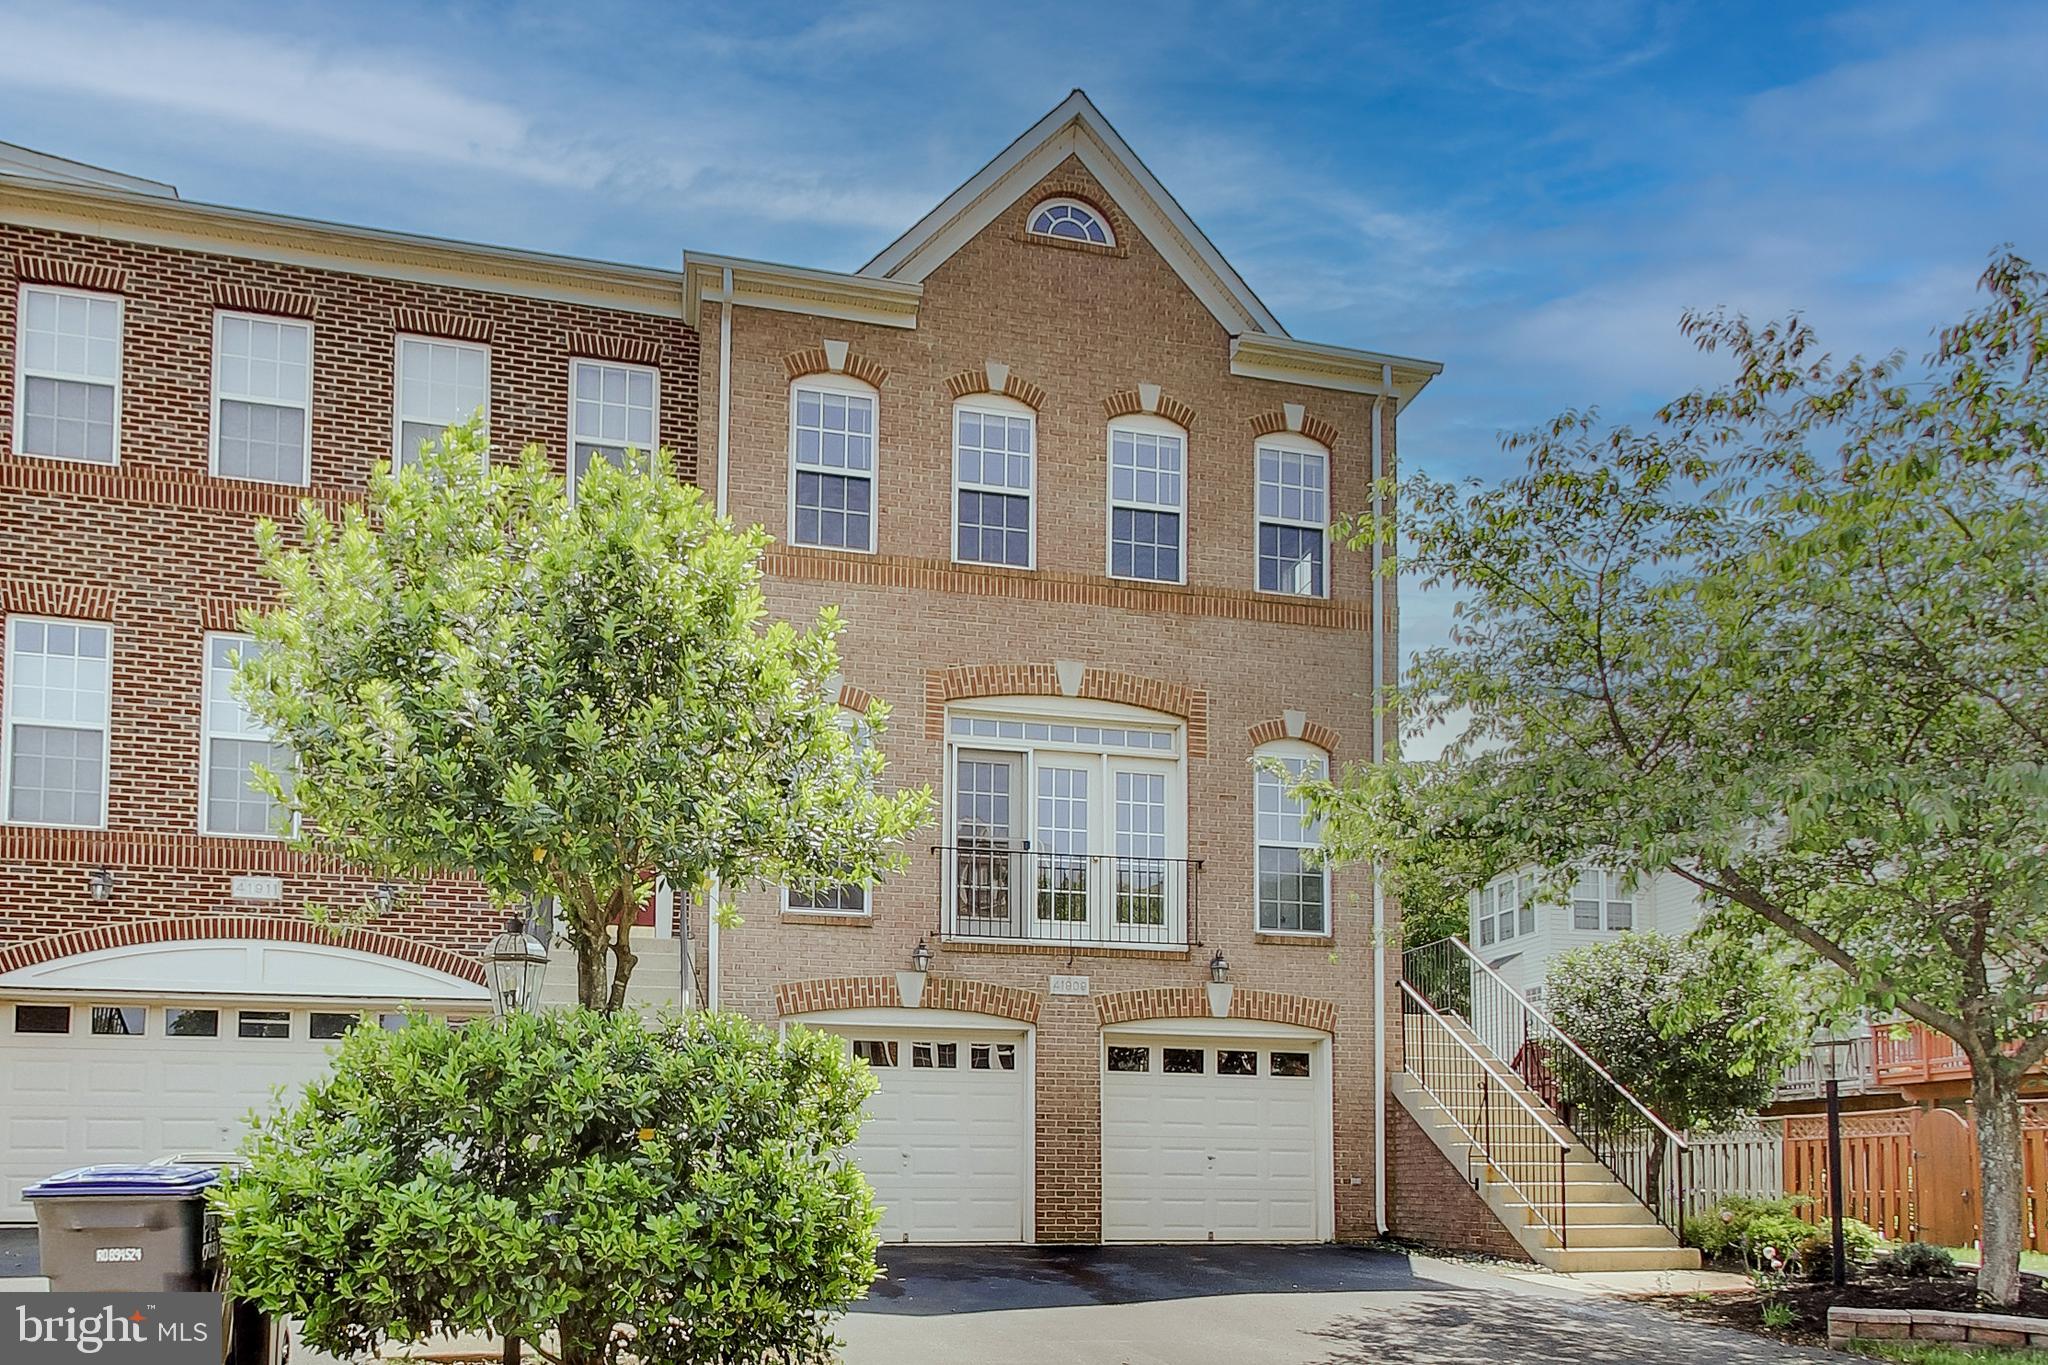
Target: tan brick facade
[163, 551]
[1073, 335]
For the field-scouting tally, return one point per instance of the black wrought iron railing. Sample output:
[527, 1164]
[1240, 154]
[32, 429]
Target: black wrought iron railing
[1643, 1152]
[990, 892]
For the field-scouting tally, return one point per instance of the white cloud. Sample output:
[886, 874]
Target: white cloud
[381, 102]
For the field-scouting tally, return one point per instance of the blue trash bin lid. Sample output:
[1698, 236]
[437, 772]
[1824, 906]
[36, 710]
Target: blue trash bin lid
[112, 1180]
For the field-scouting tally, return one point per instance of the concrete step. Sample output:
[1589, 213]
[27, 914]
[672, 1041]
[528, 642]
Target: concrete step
[656, 981]
[1591, 1260]
[1583, 1233]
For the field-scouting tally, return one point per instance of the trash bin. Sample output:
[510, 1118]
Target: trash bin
[108, 1229]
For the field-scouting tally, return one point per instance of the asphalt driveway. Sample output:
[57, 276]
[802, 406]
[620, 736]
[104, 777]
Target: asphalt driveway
[1256, 1306]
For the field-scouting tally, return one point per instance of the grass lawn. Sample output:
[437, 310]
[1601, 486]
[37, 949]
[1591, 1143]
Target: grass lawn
[2035, 1261]
[1942, 1353]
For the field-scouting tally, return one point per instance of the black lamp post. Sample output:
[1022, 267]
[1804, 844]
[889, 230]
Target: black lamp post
[1829, 1047]
[514, 964]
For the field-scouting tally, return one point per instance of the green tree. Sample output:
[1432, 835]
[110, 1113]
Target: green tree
[561, 697]
[1788, 643]
[1703, 1042]
[673, 1189]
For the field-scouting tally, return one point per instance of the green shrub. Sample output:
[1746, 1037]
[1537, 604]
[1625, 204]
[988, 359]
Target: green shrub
[676, 1184]
[1920, 1261]
[1770, 1234]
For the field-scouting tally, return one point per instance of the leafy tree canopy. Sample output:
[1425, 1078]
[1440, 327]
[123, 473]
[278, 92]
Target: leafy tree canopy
[561, 697]
[1788, 643]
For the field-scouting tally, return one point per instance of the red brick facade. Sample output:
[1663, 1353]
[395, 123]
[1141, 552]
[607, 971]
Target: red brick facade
[1081, 338]
[163, 551]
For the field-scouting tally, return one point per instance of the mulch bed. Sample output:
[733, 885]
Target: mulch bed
[1810, 1302]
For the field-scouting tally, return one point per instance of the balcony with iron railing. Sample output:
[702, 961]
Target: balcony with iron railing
[993, 893]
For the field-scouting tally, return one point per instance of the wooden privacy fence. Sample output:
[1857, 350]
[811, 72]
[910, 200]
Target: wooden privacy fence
[1749, 1163]
[1912, 1173]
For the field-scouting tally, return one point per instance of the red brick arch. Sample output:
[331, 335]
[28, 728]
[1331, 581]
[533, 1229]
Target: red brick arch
[1192, 1002]
[1314, 732]
[1059, 186]
[270, 929]
[970, 382]
[813, 360]
[820, 994]
[1317, 429]
[1129, 403]
[968, 681]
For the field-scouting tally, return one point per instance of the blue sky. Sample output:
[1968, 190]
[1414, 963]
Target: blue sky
[1529, 192]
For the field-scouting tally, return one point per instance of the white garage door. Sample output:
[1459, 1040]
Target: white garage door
[1212, 1139]
[86, 1083]
[946, 1143]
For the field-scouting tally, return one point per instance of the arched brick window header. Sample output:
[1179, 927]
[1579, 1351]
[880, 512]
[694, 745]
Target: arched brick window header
[1307, 731]
[995, 378]
[1192, 1002]
[1146, 398]
[1091, 197]
[968, 682]
[855, 698]
[1317, 429]
[186, 928]
[818, 360]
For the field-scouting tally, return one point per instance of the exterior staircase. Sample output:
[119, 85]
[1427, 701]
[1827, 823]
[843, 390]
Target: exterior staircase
[1565, 1206]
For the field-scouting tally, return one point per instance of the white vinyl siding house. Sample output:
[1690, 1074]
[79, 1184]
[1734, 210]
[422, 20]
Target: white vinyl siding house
[1519, 928]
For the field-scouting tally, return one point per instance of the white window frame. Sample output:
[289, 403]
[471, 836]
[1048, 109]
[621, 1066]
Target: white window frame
[22, 373]
[1143, 424]
[1095, 215]
[846, 384]
[1000, 406]
[864, 736]
[304, 404]
[654, 419]
[1607, 885]
[1032, 755]
[399, 454]
[8, 721]
[1299, 445]
[207, 735]
[1287, 748]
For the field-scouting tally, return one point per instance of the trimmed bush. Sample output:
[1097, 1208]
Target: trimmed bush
[1919, 1261]
[1769, 1234]
[672, 1188]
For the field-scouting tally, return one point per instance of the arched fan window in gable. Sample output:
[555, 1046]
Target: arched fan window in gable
[1071, 220]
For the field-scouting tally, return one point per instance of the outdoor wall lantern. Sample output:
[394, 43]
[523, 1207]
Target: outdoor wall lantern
[514, 964]
[386, 896]
[100, 883]
[1219, 968]
[921, 957]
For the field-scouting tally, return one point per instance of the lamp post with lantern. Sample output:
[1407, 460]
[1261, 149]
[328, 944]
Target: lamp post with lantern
[515, 963]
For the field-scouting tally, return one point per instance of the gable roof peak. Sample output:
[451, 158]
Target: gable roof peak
[1075, 127]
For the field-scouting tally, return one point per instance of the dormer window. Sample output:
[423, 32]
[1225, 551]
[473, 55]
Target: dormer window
[1071, 220]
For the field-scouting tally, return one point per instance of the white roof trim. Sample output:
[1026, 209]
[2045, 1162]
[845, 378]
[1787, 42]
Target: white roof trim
[1077, 128]
[242, 968]
[30, 164]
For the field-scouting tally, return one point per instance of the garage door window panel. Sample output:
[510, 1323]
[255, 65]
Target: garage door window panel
[184, 1023]
[264, 1024]
[1182, 1061]
[45, 1019]
[119, 1021]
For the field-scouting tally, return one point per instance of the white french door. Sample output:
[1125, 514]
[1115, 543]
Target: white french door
[1068, 846]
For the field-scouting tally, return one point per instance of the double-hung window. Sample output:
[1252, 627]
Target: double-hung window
[1505, 906]
[994, 482]
[58, 679]
[67, 398]
[1294, 516]
[832, 463]
[1293, 884]
[1601, 891]
[230, 802]
[850, 898]
[612, 409]
[440, 383]
[1148, 500]
[262, 398]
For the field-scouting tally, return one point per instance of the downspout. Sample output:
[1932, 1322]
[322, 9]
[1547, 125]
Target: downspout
[724, 448]
[1379, 899]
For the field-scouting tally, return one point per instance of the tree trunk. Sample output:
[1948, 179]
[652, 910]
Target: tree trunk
[623, 961]
[590, 983]
[1997, 1100]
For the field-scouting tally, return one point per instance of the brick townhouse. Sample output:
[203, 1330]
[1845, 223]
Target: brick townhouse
[1070, 483]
